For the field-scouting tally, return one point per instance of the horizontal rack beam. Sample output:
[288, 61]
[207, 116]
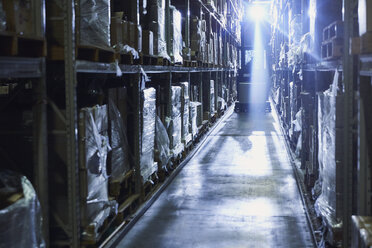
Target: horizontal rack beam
[17, 67]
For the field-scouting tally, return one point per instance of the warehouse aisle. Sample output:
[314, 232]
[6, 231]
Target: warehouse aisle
[238, 191]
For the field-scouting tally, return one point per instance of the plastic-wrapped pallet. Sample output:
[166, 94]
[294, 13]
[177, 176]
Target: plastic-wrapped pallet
[174, 122]
[212, 97]
[176, 35]
[148, 167]
[328, 204]
[221, 103]
[185, 109]
[94, 20]
[93, 147]
[198, 38]
[193, 117]
[208, 99]
[119, 143]
[162, 152]
[157, 26]
[20, 217]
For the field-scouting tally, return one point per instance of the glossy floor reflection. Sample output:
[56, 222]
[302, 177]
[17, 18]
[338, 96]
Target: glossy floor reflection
[238, 191]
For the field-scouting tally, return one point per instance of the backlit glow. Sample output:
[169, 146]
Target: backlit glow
[257, 12]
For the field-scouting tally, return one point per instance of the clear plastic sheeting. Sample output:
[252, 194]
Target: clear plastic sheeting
[126, 49]
[94, 146]
[119, 143]
[221, 103]
[185, 109]
[193, 117]
[162, 152]
[176, 36]
[94, 22]
[21, 221]
[157, 26]
[212, 97]
[148, 167]
[326, 204]
[174, 122]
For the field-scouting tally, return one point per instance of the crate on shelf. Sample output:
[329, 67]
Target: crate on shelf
[334, 30]
[332, 49]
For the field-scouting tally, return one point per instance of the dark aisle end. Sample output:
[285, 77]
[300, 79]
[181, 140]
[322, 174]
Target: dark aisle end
[238, 191]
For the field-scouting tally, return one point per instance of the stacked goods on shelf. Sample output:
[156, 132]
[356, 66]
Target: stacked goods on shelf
[194, 117]
[92, 23]
[93, 147]
[175, 41]
[209, 100]
[157, 26]
[332, 45]
[328, 204]
[361, 231]
[162, 152]
[148, 124]
[294, 53]
[20, 212]
[221, 104]
[147, 42]
[185, 110]
[119, 154]
[125, 36]
[21, 17]
[93, 19]
[198, 38]
[174, 121]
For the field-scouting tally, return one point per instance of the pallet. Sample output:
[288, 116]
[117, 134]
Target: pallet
[148, 59]
[88, 53]
[332, 49]
[127, 208]
[21, 45]
[116, 187]
[334, 30]
[188, 149]
[127, 59]
[91, 238]
[163, 61]
[149, 188]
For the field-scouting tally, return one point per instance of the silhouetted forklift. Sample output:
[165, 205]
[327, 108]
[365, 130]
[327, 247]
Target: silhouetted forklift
[252, 89]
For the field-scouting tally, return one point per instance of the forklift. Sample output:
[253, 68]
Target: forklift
[253, 90]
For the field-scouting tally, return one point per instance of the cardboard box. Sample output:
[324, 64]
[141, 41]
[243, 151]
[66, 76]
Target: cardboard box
[147, 42]
[116, 31]
[20, 16]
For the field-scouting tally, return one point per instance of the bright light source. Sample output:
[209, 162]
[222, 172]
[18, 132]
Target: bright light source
[257, 12]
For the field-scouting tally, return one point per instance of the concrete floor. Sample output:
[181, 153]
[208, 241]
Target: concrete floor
[238, 191]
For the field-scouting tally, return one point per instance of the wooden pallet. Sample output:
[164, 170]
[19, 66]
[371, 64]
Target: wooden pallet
[150, 187]
[21, 45]
[91, 238]
[148, 59]
[127, 59]
[332, 49]
[163, 61]
[186, 63]
[127, 208]
[188, 149]
[334, 30]
[88, 53]
[118, 186]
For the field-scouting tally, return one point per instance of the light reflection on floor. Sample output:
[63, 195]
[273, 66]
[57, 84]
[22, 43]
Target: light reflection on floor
[238, 191]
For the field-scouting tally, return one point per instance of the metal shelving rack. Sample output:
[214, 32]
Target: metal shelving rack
[13, 68]
[315, 78]
[73, 67]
